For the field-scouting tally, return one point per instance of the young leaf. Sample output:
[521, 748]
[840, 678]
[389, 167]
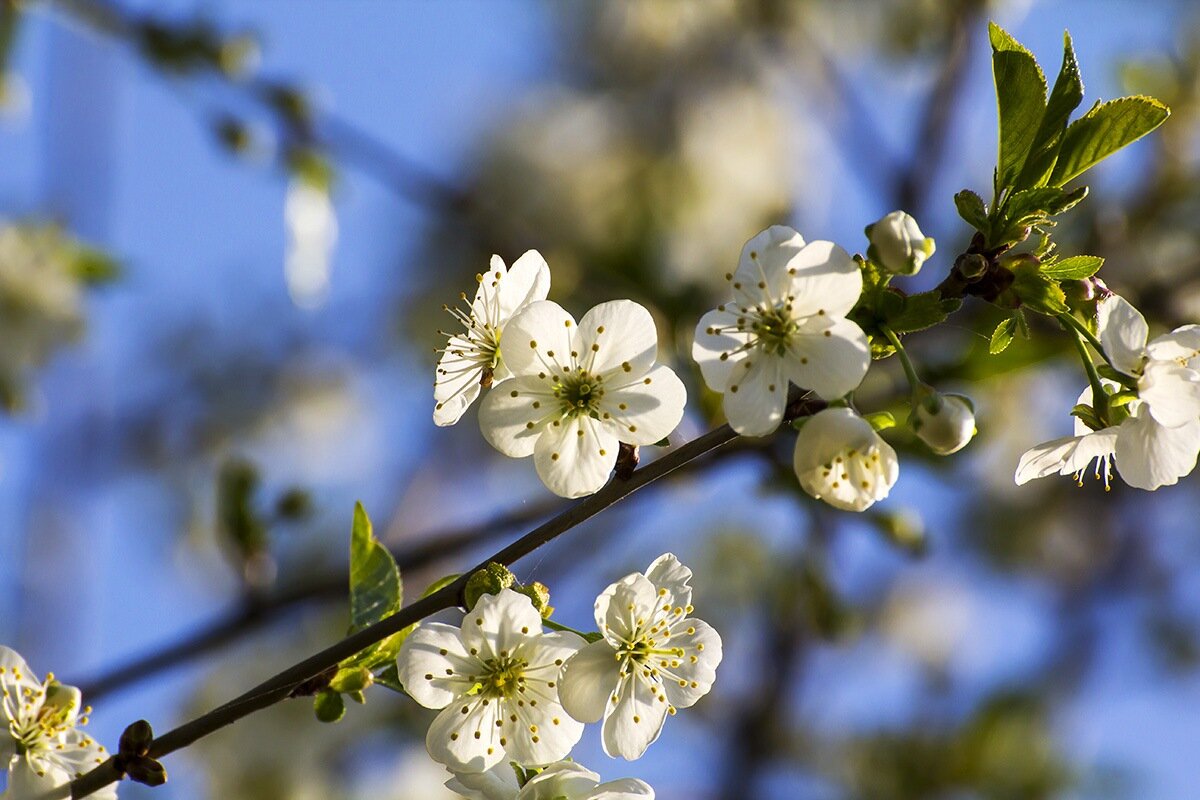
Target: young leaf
[922, 311]
[375, 589]
[1003, 336]
[1020, 101]
[971, 208]
[329, 707]
[1103, 131]
[1065, 97]
[1036, 291]
[1074, 268]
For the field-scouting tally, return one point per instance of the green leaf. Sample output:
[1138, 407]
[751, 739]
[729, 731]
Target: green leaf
[1103, 131]
[920, 311]
[1020, 101]
[1003, 336]
[1065, 97]
[1074, 268]
[972, 209]
[329, 706]
[375, 589]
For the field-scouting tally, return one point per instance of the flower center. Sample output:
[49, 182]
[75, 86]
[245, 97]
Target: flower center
[579, 393]
[503, 677]
[775, 328]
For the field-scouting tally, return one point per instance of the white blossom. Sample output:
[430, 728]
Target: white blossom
[564, 780]
[653, 658]
[471, 360]
[786, 322]
[495, 679]
[840, 459]
[1146, 454]
[1168, 380]
[944, 422]
[897, 244]
[578, 391]
[42, 746]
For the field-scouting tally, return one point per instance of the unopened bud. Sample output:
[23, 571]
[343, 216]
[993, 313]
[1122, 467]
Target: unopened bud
[492, 579]
[972, 266]
[897, 244]
[352, 680]
[945, 422]
[539, 594]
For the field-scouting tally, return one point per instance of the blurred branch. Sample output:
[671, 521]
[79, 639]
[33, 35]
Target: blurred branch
[929, 151]
[257, 611]
[197, 49]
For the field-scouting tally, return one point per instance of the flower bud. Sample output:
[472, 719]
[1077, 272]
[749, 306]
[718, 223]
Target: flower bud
[897, 244]
[944, 422]
[539, 595]
[492, 579]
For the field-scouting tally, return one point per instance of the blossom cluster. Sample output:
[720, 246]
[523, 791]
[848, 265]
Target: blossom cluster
[570, 393]
[42, 745]
[514, 698]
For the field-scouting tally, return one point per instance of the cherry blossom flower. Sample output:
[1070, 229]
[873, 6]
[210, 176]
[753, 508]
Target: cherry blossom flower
[787, 322]
[897, 244]
[564, 780]
[495, 679]
[652, 660]
[578, 391]
[471, 361]
[43, 748]
[1147, 454]
[840, 459]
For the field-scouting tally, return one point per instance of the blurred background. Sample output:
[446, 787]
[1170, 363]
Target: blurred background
[226, 232]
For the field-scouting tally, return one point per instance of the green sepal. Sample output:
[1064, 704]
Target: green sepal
[881, 420]
[1088, 416]
[1128, 381]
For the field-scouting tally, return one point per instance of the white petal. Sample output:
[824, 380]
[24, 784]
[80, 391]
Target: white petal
[689, 677]
[825, 278]
[498, 783]
[501, 624]
[831, 362]
[1150, 455]
[717, 336]
[538, 339]
[1171, 391]
[587, 681]
[1123, 332]
[635, 719]
[565, 779]
[622, 604]
[648, 410]
[762, 270]
[624, 336]
[515, 412]
[15, 678]
[575, 457]
[527, 280]
[623, 789]
[425, 657]
[456, 382]
[31, 778]
[1181, 345]
[757, 395]
[466, 742]
[542, 734]
[1045, 459]
[667, 572]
